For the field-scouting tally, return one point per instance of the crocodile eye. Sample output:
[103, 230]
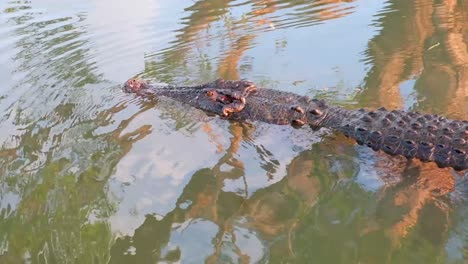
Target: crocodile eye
[316, 112]
[209, 93]
[297, 109]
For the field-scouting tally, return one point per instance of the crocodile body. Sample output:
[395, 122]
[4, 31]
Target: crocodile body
[410, 134]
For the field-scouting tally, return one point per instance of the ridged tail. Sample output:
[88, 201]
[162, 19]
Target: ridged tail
[410, 134]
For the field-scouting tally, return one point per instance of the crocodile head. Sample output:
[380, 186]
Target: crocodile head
[228, 99]
[207, 97]
[141, 87]
[134, 85]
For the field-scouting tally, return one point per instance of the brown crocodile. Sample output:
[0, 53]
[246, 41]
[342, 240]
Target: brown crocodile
[428, 137]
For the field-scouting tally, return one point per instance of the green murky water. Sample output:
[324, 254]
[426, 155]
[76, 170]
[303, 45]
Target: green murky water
[89, 174]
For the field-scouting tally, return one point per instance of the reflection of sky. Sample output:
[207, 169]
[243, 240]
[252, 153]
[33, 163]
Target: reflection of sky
[194, 239]
[9, 201]
[6, 44]
[115, 38]
[335, 45]
[368, 174]
[456, 245]
[249, 244]
[408, 93]
[151, 177]
[292, 142]
[120, 35]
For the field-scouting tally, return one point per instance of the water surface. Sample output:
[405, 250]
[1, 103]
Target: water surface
[89, 174]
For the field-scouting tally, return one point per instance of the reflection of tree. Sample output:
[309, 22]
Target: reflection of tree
[237, 34]
[40, 92]
[272, 212]
[350, 226]
[444, 82]
[412, 44]
[63, 203]
[303, 216]
[416, 39]
[59, 166]
[56, 168]
[395, 54]
[60, 215]
[208, 202]
[204, 13]
[228, 67]
[41, 107]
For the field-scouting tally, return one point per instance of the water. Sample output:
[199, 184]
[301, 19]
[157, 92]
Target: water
[89, 174]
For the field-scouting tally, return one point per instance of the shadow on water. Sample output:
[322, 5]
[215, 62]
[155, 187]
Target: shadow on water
[90, 175]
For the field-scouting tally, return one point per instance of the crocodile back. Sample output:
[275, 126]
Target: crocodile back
[410, 134]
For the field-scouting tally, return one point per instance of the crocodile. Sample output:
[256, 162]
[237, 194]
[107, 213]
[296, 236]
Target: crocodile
[428, 137]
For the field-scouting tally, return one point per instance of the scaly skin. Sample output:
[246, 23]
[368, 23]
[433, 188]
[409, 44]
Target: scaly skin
[410, 134]
[265, 105]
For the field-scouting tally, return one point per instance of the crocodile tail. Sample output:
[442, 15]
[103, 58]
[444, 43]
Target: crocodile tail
[410, 134]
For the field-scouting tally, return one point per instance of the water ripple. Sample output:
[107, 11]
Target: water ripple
[81, 159]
